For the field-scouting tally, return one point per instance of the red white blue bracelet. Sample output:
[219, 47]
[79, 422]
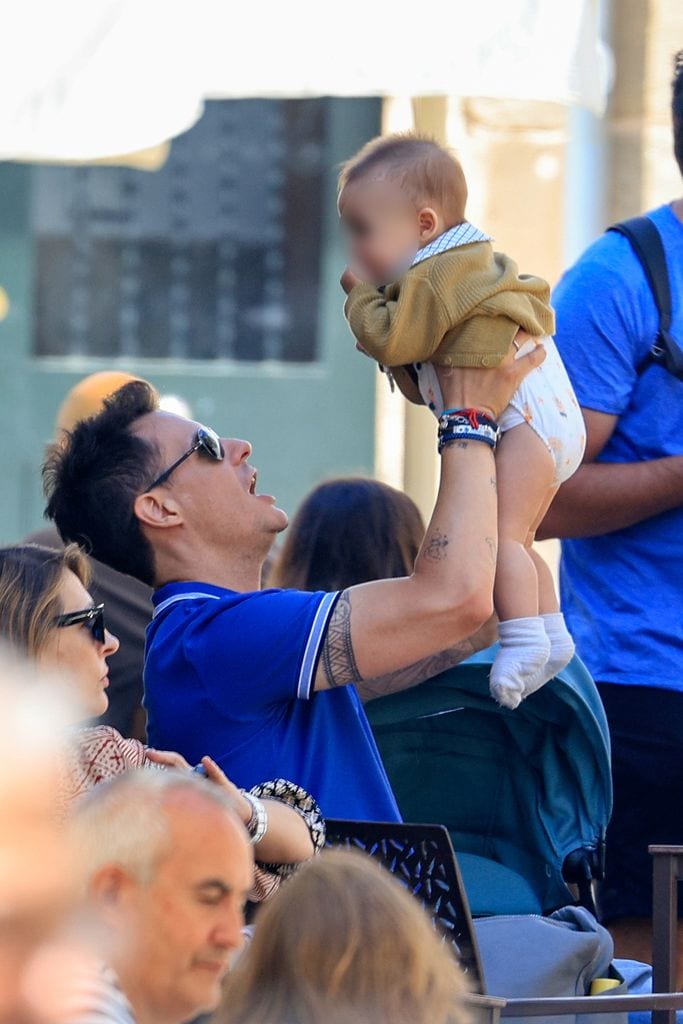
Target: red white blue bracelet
[467, 425]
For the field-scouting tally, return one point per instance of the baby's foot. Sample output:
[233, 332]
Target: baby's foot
[509, 693]
[562, 648]
[519, 665]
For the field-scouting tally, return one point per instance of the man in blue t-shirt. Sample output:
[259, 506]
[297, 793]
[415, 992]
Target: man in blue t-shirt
[622, 571]
[264, 680]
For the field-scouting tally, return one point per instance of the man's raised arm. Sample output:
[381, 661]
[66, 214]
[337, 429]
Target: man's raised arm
[383, 627]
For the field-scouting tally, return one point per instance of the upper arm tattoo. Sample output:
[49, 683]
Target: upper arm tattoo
[338, 660]
[434, 549]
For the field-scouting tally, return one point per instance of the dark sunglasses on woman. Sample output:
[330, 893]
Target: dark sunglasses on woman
[91, 618]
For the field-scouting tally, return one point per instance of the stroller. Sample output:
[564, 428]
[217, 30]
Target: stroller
[526, 795]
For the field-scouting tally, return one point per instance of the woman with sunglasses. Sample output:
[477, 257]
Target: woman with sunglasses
[47, 614]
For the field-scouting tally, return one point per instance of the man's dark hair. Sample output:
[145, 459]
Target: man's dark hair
[92, 479]
[677, 108]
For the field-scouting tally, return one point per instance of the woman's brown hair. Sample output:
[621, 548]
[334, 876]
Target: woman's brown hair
[344, 943]
[346, 532]
[30, 581]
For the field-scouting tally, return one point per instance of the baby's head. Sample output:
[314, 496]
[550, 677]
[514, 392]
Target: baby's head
[397, 194]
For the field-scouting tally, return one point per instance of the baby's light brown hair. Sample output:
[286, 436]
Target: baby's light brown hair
[429, 172]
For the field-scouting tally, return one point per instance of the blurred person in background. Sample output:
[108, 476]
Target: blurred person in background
[348, 531]
[167, 866]
[128, 601]
[344, 943]
[620, 518]
[48, 614]
[37, 871]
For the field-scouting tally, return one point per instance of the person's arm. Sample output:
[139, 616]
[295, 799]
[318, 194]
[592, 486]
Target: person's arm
[397, 326]
[602, 497]
[382, 627]
[288, 839]
[404, 679]
[606, 319]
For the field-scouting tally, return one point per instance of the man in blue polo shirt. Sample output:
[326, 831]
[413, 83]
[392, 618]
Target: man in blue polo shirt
[621, 575]
[263, 680]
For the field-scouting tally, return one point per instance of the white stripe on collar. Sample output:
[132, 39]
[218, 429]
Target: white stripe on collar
[461, 234]
[183, 597]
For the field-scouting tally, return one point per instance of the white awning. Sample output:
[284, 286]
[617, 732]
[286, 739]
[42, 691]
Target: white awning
[85, 79]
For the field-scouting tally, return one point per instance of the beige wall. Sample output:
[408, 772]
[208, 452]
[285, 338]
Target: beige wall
[645, 35]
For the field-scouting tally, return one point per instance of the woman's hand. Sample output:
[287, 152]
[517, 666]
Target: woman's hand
[466, 387]
[171, 759]
[287, 841]
[215, 774]
[168, 758]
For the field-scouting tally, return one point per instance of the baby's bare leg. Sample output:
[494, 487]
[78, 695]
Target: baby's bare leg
[547, 595]
[562, 647]
[525, 471]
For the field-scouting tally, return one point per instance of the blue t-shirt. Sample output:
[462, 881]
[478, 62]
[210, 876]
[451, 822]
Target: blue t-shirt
[231, 675]
[623, 592]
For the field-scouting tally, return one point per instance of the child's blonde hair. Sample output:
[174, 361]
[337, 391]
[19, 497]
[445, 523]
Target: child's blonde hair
[344, 943]
[429, 172]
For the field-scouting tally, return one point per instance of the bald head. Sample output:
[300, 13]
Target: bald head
[87, 398]
[92, 479]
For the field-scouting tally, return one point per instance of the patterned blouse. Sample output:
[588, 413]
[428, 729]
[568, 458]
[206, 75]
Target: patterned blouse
[100, 753]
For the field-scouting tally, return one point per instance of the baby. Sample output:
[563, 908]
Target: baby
[436, 292]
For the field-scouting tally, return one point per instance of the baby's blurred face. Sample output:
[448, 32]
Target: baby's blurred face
[383, 229]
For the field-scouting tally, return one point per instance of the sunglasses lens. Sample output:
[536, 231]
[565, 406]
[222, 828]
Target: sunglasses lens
[97, 626]
[211, 443]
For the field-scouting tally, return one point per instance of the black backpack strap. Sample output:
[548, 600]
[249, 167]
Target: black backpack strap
[646, 242]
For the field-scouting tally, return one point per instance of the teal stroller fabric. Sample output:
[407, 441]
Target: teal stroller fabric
[519, 791]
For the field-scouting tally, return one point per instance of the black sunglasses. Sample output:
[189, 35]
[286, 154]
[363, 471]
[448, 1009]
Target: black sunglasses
[91, 618]
[206, 441]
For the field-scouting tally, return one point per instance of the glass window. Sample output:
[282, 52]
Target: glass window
[215, 256]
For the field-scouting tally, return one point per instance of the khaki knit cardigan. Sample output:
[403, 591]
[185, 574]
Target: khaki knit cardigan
[461, 307]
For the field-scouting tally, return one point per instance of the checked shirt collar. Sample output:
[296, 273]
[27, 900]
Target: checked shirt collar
[461, 234]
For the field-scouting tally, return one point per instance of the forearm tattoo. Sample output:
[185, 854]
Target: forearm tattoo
[404, 678]
[339, 663]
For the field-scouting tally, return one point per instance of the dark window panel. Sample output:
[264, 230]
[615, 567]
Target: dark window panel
[215, 256]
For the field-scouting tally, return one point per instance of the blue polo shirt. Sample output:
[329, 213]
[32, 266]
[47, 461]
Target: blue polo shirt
[231, 675]
[622, 593]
